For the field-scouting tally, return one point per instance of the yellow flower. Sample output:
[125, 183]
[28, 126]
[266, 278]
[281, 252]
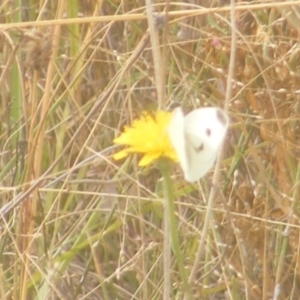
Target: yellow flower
[148, 136]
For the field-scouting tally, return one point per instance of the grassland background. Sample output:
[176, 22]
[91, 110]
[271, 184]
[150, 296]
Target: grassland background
[87, 227]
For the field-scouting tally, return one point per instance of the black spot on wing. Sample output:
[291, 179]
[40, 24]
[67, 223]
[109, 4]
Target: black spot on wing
[200, 148]
[221, 117]
[208, 132]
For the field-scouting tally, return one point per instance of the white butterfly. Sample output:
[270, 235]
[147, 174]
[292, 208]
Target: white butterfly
[196, 139]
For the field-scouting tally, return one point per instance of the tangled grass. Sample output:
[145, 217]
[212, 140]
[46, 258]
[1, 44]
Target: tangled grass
[77, 225]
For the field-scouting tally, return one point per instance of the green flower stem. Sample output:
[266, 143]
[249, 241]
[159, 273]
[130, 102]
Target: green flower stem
[170, 233]
[167, 250]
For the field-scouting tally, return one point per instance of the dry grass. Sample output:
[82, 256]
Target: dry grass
[77, 225]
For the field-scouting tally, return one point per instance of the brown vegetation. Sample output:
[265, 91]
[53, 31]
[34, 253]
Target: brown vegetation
[74, 223]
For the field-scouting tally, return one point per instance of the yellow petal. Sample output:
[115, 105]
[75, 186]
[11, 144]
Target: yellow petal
[147, 159]
[147, 135]
[120, 155]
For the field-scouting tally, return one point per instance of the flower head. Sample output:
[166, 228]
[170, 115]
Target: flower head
[149, 136]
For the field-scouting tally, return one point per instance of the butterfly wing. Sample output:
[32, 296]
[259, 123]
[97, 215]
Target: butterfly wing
[204, 131]
[177, 137]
